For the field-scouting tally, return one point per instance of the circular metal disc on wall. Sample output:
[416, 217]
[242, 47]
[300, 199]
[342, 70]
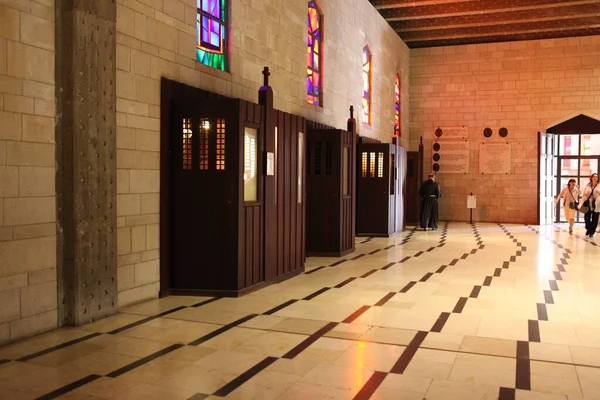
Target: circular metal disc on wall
[487, 132]
[436, 167]
[436, 157]
[438, 132]
[503, 132]
[436, 147]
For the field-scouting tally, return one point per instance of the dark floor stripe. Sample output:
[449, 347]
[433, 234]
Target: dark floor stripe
[389, 247]
[507, 394]
[144, 360]
[460, 305]
[342, 284]
[475, 292]
[371, 386]
[317, 293]
[57, 347]
[388, 265]
[497, 272]
[441, 269]
[453, 262]
[309, 340]
[222, 329]
[523, 375]
[548, 298]
[534, 331]
[337, 263]
[440, 322]
[68, 388]
[358, 256]
[418, 253]
[487, 281]
[312, 271]
[560, 268]
[4, 362]
[245, 377]
[147, 319]
[385, 299]
[280, 307]
[368, 273]
[426, 277]
[352, 317]
[408, 353]
[553, 285]
[375, 251]
[505, 264]
[408, 287]
[464, 256]
[206, 302]
[557, 276]
[404, 259]
[542, 312]
[199, 396]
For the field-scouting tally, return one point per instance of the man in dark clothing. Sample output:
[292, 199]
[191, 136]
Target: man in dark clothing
[430, 192]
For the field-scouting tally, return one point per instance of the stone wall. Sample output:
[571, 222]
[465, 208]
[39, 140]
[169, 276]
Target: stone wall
[524, 86]
[28, 290]
[156, 38]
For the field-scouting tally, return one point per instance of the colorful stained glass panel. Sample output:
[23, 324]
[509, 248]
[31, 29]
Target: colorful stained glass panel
[314, 54]
[211, 33]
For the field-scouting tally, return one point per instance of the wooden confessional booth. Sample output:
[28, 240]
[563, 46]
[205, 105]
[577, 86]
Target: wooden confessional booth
[331, 189]
[232, 196]
[380, 188]
[414, 179]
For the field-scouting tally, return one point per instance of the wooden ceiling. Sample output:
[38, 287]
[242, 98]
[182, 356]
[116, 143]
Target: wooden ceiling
[431, 23]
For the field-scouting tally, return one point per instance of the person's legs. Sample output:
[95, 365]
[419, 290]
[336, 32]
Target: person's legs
[594, 223]
[434, 213]
[571, 222]
[425, 213]
[587, 217]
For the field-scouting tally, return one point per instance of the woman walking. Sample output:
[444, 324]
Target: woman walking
[590, 204]
[570, 195]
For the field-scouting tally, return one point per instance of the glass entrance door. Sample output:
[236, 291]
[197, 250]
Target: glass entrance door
[579, 157]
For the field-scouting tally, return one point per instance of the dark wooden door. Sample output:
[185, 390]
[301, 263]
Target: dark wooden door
[373, 203]
[413, 181]
[203, 204]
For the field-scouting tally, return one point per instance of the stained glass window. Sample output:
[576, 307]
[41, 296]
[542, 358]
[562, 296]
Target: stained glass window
[314, 52]
[203, 143]
[367, 89]
[397, 119]
[211, 33]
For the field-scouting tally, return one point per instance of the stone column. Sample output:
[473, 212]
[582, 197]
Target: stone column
[86, 159]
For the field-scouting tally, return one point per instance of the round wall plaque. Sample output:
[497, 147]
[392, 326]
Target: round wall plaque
[436, 147]
[503, 132]
[438, 132]
[487, 132]
[436, 167]
[436, 157]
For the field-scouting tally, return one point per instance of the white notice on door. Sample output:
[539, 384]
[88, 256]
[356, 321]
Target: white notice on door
[471, 201]
[270, 163]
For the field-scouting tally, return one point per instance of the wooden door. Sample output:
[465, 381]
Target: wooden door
[372, 211]
[203, 230]
[413, 182]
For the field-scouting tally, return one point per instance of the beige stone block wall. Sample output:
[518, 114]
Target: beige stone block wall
[524, 86]
[28, 290]
[157, 38]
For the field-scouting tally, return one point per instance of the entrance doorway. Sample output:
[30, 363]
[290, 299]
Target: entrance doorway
[569, 150]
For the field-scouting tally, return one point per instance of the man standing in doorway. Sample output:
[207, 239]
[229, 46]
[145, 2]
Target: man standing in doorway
[430, 192]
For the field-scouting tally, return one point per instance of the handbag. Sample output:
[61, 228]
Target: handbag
[585, 207]
[573, 205]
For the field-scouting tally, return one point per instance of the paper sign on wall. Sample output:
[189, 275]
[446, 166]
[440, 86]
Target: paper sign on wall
[270, 163]
[471, 201]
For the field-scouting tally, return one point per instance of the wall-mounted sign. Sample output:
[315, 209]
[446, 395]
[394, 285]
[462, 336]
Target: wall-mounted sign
[270, 163]
[460, 132]
[495, 158]
[451, 157]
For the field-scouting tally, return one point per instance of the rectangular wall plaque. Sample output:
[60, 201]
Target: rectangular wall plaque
[453, 132]
[495, 158]
[451, 157]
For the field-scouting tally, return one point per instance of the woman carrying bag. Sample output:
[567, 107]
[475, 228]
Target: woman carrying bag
[570, 195]
[590, 205]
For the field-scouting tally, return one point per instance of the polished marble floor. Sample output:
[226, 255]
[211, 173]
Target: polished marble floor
[486, 311]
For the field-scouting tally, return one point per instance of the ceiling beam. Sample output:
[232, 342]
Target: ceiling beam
[481, 11]
[496, 34]
[398, 28]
